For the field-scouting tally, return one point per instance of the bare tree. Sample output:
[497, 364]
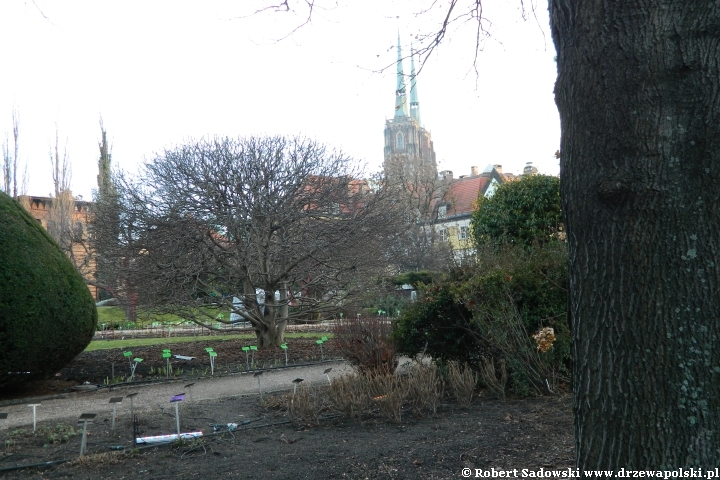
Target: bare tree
[283, 226]
[417, 191]
[60, 163]
[10, 158]
[60, 216]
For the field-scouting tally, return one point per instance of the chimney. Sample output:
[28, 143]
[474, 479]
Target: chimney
[474, 171]
[446, 175]
[498, 168]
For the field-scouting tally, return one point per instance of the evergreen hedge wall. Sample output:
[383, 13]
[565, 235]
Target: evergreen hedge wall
[47, 315]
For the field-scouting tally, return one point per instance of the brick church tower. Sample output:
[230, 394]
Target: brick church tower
[409, 152]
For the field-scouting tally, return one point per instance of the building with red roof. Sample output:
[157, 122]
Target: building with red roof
[454, 210]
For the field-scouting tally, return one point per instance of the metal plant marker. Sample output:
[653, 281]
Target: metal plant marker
[212, 355]
[189, 387]
[176, 400]
[114, 401]
[328, 370]
[3, 415]
[166, 355]
[257, 375]
[133, 366]
[84, 419]
[129, 355]
[34, 406]
[247, 358]
[132, 396]
[284, 347]
[297, 382]
[253, 348]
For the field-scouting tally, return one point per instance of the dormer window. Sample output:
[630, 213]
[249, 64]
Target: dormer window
[442, 211]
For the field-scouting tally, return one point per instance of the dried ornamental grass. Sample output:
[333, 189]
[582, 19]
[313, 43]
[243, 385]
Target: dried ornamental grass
[349, 396]
[426, 388]
[389, 393]
[462, 382]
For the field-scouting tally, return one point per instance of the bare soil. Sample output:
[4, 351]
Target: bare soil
[516, 433]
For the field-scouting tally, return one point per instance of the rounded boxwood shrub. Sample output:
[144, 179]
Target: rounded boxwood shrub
[47, 315]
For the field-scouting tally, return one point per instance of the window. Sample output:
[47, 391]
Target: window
[443, 233]
[442, 211]
[399, 141]
[464, 233]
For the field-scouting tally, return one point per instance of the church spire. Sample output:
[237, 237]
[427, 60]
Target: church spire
[401, 106]
[414, 103]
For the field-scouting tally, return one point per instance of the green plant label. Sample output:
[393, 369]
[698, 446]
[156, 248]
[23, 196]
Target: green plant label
[245, 349]
[213, 354]
[324, 339]
[209, 349]
[283, 346]
[253, 347]
[319, 342]
[127, 354]
[166, 355]
[137, 360]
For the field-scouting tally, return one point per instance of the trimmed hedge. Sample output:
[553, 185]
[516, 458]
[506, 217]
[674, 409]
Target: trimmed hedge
[47, 315]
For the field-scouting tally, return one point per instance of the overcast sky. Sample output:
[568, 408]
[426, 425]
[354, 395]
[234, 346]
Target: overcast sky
[160, 72]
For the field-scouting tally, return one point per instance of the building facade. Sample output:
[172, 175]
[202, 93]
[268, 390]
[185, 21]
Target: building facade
[80, 255]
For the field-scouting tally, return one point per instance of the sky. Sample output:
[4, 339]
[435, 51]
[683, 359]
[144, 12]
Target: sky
[163, 72]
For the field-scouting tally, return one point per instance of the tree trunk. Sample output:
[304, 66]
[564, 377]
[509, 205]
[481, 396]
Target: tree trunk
[272, 331]
[638, 92]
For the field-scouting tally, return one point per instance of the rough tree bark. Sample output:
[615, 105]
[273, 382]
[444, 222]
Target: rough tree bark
[638, 90]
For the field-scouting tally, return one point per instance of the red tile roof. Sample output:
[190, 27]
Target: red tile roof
[463, 193]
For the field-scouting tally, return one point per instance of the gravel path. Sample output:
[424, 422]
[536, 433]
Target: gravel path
[150, 396]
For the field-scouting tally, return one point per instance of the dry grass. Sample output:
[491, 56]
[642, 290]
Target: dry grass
[306, 404]
[349, 396]
[426, 388]
[494, 378]
[105, 458]
[389, 394]
[462, 381]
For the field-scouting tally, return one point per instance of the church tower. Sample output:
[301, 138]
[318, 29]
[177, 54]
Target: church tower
[409, 152]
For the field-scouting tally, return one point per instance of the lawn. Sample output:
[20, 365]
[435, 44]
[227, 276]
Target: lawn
[116, 316]
[144, 342]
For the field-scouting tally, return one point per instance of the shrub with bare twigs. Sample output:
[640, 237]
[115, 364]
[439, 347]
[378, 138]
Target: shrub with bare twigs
[364, 343]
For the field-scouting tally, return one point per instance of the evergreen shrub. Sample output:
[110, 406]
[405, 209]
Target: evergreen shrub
[47, 315]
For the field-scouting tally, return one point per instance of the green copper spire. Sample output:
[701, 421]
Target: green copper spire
[401, 106]
[414, 103]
